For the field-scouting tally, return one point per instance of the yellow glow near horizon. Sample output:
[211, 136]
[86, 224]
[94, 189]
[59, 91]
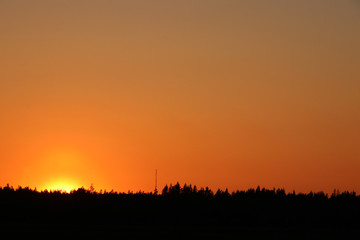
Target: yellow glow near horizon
[62, 185]
[59, 166]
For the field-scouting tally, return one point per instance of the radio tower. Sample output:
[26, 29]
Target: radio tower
[155, 191]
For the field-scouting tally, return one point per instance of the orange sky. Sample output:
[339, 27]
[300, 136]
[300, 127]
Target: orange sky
[214, 93]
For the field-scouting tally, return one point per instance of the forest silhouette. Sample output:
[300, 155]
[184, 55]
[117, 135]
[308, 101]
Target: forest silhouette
[181, 211]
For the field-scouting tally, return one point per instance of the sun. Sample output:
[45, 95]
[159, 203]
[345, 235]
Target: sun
[62, 185]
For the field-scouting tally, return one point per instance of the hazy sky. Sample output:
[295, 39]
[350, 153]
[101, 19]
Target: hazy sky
[224, 93]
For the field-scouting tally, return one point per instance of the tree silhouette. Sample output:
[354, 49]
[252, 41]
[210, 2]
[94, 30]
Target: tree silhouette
[270, 211]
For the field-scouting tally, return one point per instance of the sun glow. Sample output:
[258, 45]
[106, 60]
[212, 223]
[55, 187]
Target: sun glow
[64, 186]
[61, 166]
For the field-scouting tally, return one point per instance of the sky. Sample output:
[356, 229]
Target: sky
[226, 94]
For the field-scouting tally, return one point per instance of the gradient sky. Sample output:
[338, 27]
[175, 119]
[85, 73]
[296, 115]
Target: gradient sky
[214, 93]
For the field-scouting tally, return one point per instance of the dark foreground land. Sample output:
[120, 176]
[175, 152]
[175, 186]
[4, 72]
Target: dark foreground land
[180, 212]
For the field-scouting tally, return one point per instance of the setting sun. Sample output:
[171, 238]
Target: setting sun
[62, 185]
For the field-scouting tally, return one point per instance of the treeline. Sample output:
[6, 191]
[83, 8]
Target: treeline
[182, 211]
[188, 190]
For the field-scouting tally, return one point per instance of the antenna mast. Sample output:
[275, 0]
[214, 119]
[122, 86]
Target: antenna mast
[155, 182]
